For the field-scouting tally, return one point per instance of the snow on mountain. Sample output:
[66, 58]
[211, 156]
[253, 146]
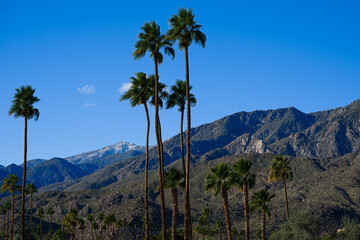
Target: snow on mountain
[117, 148]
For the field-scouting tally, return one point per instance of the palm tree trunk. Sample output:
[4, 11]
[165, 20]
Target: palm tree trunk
[162, 199]
[227, 214]
[161, 150]
[262, 224]
[31, 210]
[8, 221]
[23, 185]
[73, 235]
[246, 209]
[182, 140]
[12, 216]
[147, 230]
[174, 202]
[187, 220]
[220, 233]
[41, 231]
[286, 201]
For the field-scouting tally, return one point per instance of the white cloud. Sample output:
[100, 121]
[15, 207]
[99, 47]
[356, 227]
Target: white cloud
[89, 105]
[87, 89]
[124, 87]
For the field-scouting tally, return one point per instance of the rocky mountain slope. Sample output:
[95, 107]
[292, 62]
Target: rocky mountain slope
[287, 131]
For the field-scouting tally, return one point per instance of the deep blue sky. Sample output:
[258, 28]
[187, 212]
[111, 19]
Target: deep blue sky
[259, 55]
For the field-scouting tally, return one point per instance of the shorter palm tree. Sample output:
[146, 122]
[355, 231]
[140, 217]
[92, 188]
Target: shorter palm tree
[81, 226]
[244, 180]
[219, 180]
[280, 170]
[40, 213]
[219, 227]
[11, 184]
[31, 189]
[172, 180]
[70, 222]
[50, 211]
[7, 207]
[261, 200]
[3, 212]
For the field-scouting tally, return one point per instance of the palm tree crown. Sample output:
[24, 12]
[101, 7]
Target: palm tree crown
[11, 184]
[280, 169]
[260, 200]
[218, 179]
[183, 28]
[31, 188]
[242, 173]
[22, 105]
[151, 40]
[177, 96]
[172, 178]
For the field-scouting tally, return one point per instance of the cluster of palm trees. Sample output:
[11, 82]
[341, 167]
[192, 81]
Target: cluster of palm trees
[221, 178]
[185, 31]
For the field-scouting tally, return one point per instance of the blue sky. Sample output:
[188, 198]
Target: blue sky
[77, 54]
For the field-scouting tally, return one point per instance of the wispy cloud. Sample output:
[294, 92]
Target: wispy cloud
[89, 105]
[87, 89]
[124, 87]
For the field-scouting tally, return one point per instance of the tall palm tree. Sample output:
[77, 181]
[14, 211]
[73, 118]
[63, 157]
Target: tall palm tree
[177, 97]
[31, 189]
[50, 211]
[151, 40]
[139, 93]
[244, 180]
[219, 180]
[11, 184]
[23, 106]
[280, 170]
[185, 30]
[260, 200]
[40, 213]
[90, 218]
[101, 217]
[171, 181]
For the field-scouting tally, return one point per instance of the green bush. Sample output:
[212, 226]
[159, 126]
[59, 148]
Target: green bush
[302, 226]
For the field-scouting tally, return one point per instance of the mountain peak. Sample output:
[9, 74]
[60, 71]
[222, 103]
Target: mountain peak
[117, 148]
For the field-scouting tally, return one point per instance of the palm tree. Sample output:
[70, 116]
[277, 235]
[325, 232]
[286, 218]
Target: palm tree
[184, 29]
[11, 184]
[81, 226]
[50, 211]
[22, 106]
[40, 213]
[90, 218]
[219, 180]
[244, 180]
[261, 200]
[139, 93]
[280, 170]
[177, 97]
[7, 207]
[219, 227]
[101, 217]
[31, 189]
[71, 221]
[151, 40]
[3, 211]
[171, 181]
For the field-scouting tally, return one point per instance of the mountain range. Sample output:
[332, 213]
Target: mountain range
[323, 148]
